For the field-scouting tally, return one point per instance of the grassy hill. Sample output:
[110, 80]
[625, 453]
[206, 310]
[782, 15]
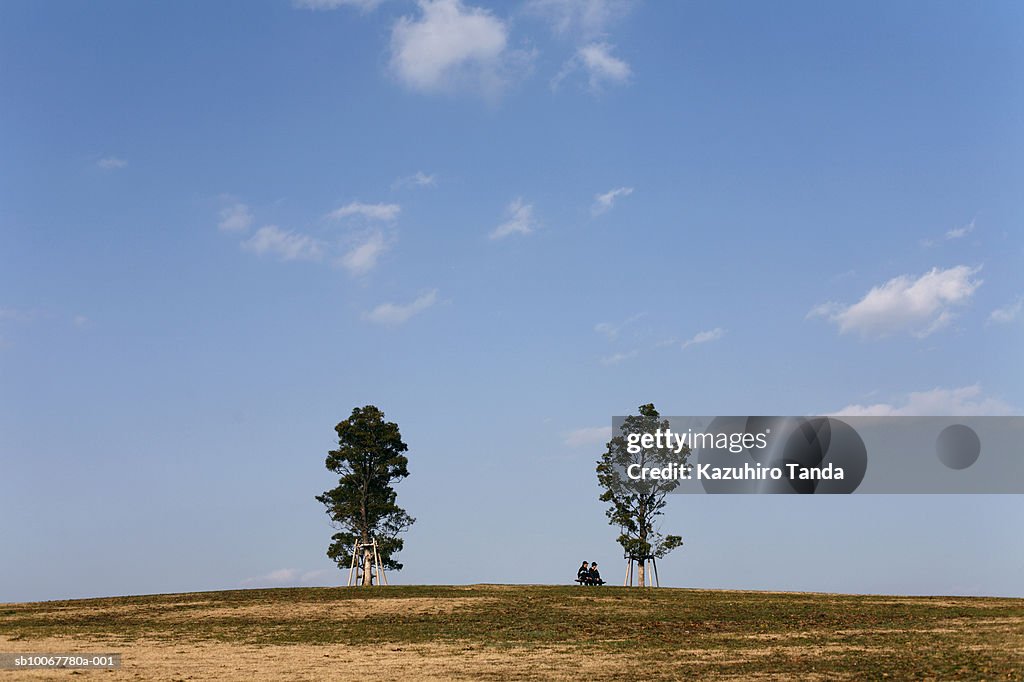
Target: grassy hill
[534, 632]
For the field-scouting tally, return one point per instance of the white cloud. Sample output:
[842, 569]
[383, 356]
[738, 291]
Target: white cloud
[395, 314]
[602, 66]
[284, 244]
[235, 218]
[963, 402]
[361, 5]
[24, 315]
[611, 330]
[288, 576]
[951, 234]
[591, 435]
[14, 314]
[958, 232]
[604, 202]
[111, 163]
[450, 45]
[363, 257]
[370, 211]
[1008, 313]
[586, 18]
[704, 337]
[520, 220]
[417, 179]
[616, 358]
[904, 304]
[588, 22]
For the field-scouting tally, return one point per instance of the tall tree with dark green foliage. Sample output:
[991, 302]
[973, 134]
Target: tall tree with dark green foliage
[635, 505]
[369, 459]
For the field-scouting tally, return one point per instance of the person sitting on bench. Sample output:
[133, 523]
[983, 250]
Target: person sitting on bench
[583, 575]
[595, 577]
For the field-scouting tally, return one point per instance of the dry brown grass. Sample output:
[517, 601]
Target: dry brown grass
[518, 632]
[156, 660]
[161, 661]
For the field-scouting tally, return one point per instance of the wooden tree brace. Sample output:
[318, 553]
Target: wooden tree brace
[376, 568]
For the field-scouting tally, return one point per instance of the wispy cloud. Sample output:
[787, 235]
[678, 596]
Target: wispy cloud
[599, 65]
[359, 257]
[602, 66]
[520, 220]
[590, 435]
[959, 232]
[363, 257]
[951, 234]
[1008, 313]
[417, 179]
[918, 306]
[963, 402]
[586, 18]
[111, 163]
[616, 358]
[235, 218]
[13, 317]
[286, 245]
[611, 330]
[604, 202]
[451, 45]
[16, 314]
[704, 337]
[369, 211]
[361, 5]
[393, 314]
[288, 576]
[366, 249]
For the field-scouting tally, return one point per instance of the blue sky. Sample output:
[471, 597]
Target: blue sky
[224, 225]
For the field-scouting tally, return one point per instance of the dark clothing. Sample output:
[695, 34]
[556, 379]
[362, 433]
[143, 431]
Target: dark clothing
[583, 575]
[594, 578]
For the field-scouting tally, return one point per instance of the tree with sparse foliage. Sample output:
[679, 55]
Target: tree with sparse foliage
[369, 459]
[635, 505]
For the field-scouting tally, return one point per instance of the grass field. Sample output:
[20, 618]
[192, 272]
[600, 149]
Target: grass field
[502, 632]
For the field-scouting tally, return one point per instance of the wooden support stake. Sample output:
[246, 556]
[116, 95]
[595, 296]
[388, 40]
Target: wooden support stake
[376, 561]
[352, 568]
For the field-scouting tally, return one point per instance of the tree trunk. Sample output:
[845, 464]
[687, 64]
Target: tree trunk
[365, 532]
[367, 568]
[640, 572]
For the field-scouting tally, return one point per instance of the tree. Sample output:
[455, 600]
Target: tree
[369, 458]
[634, 505]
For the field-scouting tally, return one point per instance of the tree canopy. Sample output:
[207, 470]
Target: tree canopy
[635, 505]
[369, 459]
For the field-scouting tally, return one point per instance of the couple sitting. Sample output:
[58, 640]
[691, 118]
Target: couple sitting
[589, 576]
